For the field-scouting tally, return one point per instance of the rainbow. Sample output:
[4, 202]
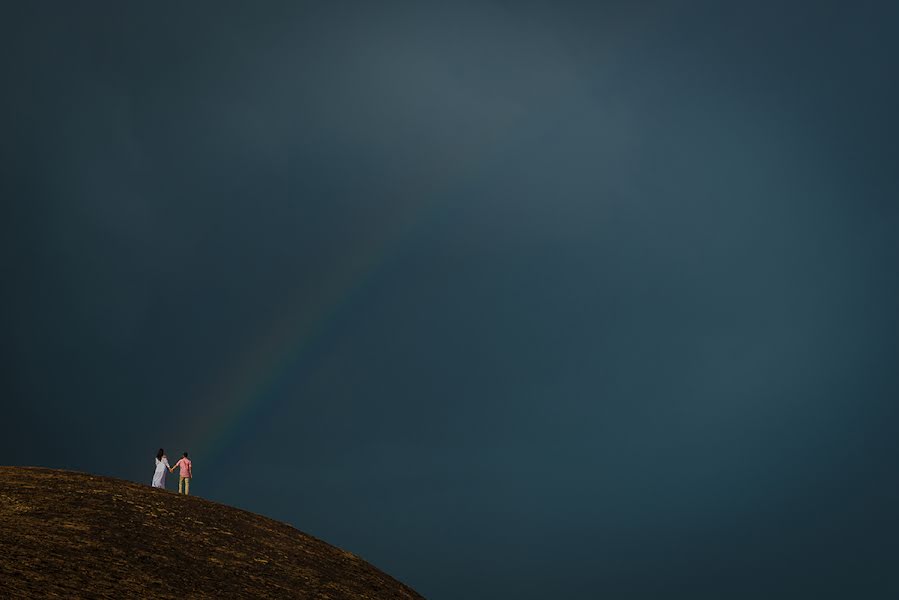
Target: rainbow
[234, 399]
[281, 343]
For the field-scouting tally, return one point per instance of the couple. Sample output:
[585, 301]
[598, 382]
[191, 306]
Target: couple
[162, 463]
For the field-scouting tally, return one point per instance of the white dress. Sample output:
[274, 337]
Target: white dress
[162, 467]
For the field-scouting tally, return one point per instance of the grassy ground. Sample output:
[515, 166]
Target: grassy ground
[71, 535]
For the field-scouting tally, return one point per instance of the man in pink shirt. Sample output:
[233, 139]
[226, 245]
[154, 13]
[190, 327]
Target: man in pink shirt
[184, 480]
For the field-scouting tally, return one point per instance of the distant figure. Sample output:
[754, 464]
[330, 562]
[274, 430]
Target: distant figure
[162, 464]
[184, 481]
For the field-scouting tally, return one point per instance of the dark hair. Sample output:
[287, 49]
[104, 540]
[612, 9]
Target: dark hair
[160, 454]
[185, 455]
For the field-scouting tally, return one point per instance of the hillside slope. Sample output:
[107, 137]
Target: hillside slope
[70, 535]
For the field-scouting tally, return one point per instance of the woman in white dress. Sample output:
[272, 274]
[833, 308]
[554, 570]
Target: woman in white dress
[162, 465]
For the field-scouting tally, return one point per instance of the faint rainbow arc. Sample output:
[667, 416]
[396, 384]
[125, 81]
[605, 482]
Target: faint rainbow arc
[301, 323]
[291, 334]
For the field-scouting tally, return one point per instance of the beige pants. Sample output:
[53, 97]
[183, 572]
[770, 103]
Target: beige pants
[184, 482]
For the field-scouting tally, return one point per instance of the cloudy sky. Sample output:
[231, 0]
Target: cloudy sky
[512, 299]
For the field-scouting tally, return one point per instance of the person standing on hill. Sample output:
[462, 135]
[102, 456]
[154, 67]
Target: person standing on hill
[184, 481]
[162, 463]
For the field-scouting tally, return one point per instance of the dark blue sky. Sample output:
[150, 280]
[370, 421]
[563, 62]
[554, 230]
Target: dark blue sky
[513, 300]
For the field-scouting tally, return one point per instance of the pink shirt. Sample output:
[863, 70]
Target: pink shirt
[184, 463]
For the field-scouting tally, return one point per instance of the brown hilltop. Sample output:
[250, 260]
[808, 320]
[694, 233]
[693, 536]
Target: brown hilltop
[69, 535]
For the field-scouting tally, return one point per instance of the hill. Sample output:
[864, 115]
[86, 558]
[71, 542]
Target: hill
[69, 535]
